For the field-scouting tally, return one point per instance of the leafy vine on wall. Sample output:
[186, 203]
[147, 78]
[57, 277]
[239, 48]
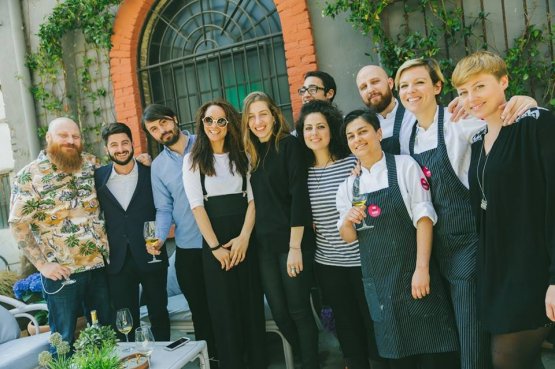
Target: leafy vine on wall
[447, 32]
[77, 87]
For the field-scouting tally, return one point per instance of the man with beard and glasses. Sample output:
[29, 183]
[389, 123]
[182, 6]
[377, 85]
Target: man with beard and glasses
[125, 194]
[55, 219]
[376, 90]
[172, 206]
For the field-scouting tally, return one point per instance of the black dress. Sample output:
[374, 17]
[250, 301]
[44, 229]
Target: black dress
[517, 229]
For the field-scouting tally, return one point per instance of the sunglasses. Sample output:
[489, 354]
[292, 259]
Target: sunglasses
[209, 121]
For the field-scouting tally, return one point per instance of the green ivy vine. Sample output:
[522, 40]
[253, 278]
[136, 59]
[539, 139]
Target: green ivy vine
[448, 29]
[85, 102]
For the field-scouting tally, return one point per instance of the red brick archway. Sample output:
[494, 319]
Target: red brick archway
[300, 56]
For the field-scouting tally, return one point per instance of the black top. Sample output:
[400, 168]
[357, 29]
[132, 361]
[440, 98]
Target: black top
[517, 231]
[280, 192]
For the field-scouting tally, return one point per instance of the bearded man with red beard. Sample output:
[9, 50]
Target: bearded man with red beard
[69, 252]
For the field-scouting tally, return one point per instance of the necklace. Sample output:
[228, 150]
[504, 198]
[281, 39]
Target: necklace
[322, 171]
[484, 202]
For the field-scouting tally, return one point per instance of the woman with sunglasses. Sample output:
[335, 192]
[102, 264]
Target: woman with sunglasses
[337, 263]
[216, 180]
[283, 222]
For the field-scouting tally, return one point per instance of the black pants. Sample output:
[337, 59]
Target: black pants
[124, 293]
[289, 300]
[443, 360]
[190, 277]
[342, 289]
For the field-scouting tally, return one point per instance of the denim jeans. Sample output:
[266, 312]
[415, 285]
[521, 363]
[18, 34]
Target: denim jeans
[289, 300]
[90, 292]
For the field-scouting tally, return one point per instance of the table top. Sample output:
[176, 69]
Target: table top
[162, 359]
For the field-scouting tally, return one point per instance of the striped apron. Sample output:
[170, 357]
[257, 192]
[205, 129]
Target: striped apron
[392, 144]
[455, 246]
[404, 326]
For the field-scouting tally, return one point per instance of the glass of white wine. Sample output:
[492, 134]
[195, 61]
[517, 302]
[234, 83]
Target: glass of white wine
[360, 201]
[144, 342]
[149, 233]
[124, 323]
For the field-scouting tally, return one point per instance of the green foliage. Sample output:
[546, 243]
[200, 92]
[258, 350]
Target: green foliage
[94, 19]
[105, 357]
[7, 280]
[95, 337]
[445, 30]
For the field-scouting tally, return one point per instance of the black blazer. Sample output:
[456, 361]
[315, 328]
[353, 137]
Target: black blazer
[125, 227]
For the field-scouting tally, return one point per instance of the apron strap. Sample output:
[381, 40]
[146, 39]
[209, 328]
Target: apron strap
[205, 194]
[398, 120]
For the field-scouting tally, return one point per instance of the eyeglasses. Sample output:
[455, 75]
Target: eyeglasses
[312, 89]
[209, 121]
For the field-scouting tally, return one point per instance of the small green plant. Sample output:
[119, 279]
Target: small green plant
[62, 360]
[105, 357]
[95, 337]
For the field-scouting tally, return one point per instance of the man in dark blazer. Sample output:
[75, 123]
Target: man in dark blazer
[125, 195]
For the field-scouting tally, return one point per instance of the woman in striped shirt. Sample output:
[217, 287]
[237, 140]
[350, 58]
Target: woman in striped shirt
[337, 262]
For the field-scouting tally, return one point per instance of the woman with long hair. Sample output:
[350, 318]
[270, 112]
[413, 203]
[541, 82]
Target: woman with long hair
[283, 222]
[337, 263]
[388, 209]
[512, 182]
[216, 180]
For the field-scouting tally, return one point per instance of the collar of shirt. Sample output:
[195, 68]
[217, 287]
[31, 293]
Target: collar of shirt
[392, 113]
[133, 171]
[375, 178]
[432, 129]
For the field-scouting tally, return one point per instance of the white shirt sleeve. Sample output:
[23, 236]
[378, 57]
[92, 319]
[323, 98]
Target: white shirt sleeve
[191, 182]
[415, 189]
[250, 197]
[344, 199]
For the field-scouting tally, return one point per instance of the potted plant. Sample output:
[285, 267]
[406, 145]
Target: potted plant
[29, 290]
[62, 359]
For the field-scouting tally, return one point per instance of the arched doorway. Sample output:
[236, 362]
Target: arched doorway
[192, 51]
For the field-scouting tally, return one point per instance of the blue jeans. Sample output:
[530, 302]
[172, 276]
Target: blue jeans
[90, 292]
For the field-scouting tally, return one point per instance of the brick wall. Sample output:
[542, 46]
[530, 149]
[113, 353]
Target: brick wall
[300, 56]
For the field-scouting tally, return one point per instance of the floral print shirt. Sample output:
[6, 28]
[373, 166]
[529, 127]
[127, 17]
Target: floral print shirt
[55, 216]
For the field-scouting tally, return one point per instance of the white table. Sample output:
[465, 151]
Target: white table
[176, 359]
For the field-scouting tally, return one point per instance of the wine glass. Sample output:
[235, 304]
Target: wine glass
[149, 232]
[144, 342]
[124, 323]
[360, 201]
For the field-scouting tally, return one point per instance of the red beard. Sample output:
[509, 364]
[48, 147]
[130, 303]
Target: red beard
[68, 161]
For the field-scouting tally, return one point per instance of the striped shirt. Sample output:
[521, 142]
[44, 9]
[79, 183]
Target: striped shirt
[322, 188]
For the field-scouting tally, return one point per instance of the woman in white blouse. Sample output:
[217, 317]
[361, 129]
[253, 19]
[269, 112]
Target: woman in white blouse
[216, 180]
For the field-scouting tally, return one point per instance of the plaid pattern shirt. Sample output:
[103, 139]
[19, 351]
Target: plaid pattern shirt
[55, 216]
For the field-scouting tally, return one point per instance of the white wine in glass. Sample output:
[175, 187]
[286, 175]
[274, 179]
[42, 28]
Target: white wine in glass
[360, 201]
[144, 341]
[149, 233]
[124, 323]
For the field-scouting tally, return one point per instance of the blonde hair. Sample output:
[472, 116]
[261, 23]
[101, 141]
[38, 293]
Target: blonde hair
[429, 63]
[280, 129]
[478, 62]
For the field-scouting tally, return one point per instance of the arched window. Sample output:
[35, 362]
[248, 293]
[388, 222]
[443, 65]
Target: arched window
[193, 51]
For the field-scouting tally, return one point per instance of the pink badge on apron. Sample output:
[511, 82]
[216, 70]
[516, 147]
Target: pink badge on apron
[374, 210]
[425, 184]
[427, 172]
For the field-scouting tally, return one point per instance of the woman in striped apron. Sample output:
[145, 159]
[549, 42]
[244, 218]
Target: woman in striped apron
[337, 263]
[442, 149]
[388, 209]
[216, 183]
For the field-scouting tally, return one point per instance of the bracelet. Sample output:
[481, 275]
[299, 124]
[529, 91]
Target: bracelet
[215, 247]
[295, 248]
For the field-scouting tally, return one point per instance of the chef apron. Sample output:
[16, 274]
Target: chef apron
[392, 145]
[455, 245]
[404, 326]
[235, 297]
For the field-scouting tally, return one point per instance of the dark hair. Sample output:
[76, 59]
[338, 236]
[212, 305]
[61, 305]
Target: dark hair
[368, 115]
[334, 118]
[114, 128]
[327, 80]
[156, 112]
[202, 155]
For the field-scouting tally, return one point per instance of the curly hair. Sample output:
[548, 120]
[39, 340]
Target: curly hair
[202, 155]
[334, 118]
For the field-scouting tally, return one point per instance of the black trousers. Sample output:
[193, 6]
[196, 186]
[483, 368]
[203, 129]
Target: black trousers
[342, 289]
[289, 300]
[190, 277]
[124, 293]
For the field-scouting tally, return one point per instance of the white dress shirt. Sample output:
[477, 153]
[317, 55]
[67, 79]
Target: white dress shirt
[123, 186]
[458, 139]
[223, 183]
[416, 196]
[388, 122]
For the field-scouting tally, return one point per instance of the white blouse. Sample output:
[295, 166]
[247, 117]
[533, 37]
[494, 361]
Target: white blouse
[223, 183]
